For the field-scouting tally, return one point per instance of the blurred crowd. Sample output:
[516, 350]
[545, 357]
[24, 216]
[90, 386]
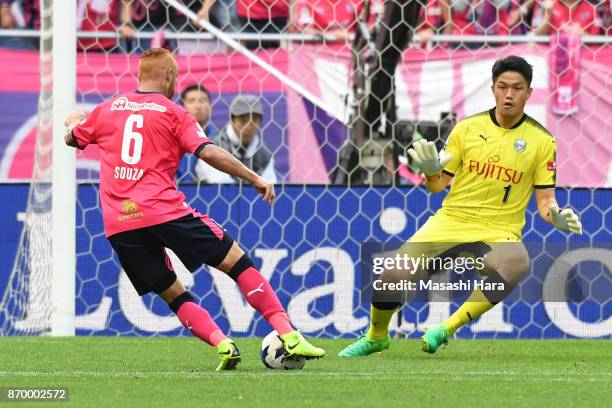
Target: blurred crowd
[332, 20]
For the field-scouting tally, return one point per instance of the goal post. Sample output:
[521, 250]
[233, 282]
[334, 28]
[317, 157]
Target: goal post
[63, 170]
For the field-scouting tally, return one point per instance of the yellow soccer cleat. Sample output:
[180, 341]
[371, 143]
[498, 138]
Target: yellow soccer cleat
[229, 354]
[297, 346]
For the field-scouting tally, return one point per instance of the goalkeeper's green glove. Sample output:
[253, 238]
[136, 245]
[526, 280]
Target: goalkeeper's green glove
[565, 220]
[426, 156]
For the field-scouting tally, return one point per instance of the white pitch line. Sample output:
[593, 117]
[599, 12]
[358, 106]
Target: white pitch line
[406, 375]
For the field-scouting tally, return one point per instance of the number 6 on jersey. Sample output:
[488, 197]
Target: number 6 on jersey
[134, 120]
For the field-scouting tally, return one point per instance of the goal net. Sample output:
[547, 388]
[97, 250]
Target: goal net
[26, 299]
[343, 177]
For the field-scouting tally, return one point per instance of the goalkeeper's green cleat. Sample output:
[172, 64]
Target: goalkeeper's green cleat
[434, 337]
[297, 346]
[364, 346]
[229, 354]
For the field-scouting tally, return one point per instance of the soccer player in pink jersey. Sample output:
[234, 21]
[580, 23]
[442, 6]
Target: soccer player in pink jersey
[142, 136]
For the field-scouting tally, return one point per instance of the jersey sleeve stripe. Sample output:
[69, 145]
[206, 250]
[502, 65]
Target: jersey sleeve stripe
[542, 186]
[201, 147]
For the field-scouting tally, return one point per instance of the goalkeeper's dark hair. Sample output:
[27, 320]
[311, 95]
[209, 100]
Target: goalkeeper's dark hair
[193, 87]
[513, 63]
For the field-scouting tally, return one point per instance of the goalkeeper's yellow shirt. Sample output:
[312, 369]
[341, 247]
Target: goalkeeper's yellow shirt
[496, 170]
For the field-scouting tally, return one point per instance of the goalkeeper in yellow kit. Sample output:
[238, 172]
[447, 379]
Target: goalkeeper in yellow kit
[496, 158]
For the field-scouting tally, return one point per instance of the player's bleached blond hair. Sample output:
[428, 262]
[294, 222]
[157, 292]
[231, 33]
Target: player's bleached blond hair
[154, 63]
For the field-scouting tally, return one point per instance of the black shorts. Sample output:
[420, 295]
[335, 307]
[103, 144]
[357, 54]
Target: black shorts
[194, 240]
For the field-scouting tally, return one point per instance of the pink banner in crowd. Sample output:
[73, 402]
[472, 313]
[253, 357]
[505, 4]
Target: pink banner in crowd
[427, 83]
[104, 74]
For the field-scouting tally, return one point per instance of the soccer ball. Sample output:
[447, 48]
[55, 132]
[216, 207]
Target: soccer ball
[272, 352]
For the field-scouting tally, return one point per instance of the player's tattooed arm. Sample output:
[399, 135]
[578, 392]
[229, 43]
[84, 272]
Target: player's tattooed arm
[75, 118]
[224, 161]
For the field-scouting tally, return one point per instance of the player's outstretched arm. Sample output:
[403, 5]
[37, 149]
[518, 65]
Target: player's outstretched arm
[426, 157]
[75, 118]
[563, 219]
[223, 161]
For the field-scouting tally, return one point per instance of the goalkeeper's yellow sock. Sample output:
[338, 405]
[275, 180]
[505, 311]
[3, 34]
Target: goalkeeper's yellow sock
[474, 307]
[379, 322]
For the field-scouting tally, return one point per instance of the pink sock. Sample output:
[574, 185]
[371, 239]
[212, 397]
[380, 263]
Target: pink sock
[281, 323]
[258, 292]
[200, 324]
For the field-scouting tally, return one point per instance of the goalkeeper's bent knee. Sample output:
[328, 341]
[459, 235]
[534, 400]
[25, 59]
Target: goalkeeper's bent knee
[490, 291]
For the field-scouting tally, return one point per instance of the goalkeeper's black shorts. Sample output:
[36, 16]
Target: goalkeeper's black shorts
[142, 252]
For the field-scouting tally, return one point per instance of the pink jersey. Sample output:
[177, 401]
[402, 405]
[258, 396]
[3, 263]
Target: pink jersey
[463, 16]
[328, 14]
[582, 13]
[262, 9]
[142, 138]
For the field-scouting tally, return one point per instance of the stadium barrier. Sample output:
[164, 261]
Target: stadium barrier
[308, 245]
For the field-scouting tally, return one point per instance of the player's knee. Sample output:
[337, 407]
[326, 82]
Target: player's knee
[516, 266]
[396, 275]
[510, 260]
[240, 266]
[181, 299]
[497, 288]
[522, 265]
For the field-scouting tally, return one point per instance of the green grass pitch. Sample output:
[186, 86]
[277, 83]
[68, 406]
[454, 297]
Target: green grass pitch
[179, 372]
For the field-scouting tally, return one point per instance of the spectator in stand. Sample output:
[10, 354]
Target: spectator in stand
[141, 16]
[566, 21]
[523, 15]
[7, 22]
[504, 17]
[97, 15]
[604, 10]
[196, 99]
[226, 13]
[263, 16]
[448, 17]
[179, 22]
[568, 17]
[157, 16]
[430, 19]
[153, 16]
[222, 13]
[331, 17]
[242, 138]
[459, 17]
[15, 14]
[92, 15]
